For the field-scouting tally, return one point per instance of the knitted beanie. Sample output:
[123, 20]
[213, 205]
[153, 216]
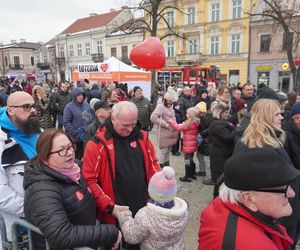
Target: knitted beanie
[136, 88]
[162, 186]
[171, 95]
[296, 108]
[202, 107]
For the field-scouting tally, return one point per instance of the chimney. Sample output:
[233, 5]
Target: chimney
[13, 41]
[93, 14]
[22, 40]
[1, 45]
[112, 10]
[124, 7]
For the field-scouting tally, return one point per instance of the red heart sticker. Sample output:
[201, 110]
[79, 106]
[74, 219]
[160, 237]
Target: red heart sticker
[133, 144]
[150, 54]
[104, 67]
[79, 195]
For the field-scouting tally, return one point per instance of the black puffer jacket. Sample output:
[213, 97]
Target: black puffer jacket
[63, 210]
[292, 144]
[185, 102]
[221, 138]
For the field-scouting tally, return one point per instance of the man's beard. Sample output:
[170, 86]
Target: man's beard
[30, 127]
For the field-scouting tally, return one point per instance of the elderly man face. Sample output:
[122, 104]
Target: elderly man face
[124, 118]
[273, 204]
[22, 112]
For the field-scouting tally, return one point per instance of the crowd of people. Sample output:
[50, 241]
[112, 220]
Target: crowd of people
[78, 163]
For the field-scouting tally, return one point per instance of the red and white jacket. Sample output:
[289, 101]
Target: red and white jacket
[96, 172]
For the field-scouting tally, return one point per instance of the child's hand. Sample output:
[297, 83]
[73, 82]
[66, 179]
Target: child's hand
[118, 209]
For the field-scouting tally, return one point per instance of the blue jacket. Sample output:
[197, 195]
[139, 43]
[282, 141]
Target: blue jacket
[74, 123]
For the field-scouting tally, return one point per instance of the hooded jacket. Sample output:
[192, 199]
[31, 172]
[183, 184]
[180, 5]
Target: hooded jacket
[16, 149]
[63, 210]
[74, 123]
[155, 227]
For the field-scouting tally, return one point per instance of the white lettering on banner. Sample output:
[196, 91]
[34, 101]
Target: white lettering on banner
[93, 68]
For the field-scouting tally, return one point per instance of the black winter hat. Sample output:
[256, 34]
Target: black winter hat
[265, 92]
[101, 104]
[136, 88]
[258, 168]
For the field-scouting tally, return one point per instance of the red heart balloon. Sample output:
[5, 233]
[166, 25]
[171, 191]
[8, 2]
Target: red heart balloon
[150, 54]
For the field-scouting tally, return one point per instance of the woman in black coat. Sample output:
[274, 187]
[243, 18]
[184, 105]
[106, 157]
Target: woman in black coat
[58, 201]
[221, 138]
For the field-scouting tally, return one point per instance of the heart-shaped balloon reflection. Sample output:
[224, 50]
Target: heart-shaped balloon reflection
[150, 54]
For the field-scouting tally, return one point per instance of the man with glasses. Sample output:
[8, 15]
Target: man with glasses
[118, 164]
[255, 194]
[19, 132]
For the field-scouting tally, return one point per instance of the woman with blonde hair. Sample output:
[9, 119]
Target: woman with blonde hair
[221, 141]
[42, 106]
[264, 131]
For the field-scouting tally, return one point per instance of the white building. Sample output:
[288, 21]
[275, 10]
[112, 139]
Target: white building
[85, 41]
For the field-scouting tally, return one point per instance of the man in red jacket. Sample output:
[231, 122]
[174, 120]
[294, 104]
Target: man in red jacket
[254, 195]
[118, 163]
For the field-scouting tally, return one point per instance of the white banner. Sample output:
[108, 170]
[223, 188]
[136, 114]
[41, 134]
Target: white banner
[94, 68]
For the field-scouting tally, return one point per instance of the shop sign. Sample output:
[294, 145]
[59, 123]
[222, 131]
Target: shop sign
[264, 67]
[285, 66]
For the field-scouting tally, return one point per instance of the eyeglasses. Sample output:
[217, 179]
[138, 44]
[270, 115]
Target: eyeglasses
[26, 107]
[64, 152]
[277, 190]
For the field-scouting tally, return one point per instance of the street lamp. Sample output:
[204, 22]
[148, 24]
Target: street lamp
[297, 62]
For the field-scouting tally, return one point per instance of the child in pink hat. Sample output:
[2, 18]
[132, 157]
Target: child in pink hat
[161, 223]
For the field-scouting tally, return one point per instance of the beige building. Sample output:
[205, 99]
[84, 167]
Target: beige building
[268, 58]
[17, 58]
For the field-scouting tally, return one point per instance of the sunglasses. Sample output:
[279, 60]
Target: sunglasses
[275, 190]
[26, 107]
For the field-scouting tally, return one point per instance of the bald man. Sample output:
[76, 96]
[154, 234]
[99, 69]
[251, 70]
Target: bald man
[118, 163]
[19, 132]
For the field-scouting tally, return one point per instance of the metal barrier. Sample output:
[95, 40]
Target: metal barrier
[31, 228]
[6, 245]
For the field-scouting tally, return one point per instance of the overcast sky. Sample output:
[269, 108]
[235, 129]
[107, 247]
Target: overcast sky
[41, 20]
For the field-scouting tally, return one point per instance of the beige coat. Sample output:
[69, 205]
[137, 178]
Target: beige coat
[166, 137]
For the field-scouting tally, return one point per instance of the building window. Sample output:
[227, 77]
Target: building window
[17, 60]
[170, 18]
[45, 58]
[99, 46]
[170, 48]
[214, 45]
[265, 41]
[234, 76]
[287, 39]
[124, 53]
[236, 9]
[79, 50]
[191, 15]
[235, 43]
[113, 52]
[71, 50]
[32, 61]
[6, 61]
[192, 46]
[62, 52]
[263, 77]
[215, 12]
[87, 49]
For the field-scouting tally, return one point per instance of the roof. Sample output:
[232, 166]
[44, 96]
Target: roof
[23, 45]
[132, 26]
[91, 22]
